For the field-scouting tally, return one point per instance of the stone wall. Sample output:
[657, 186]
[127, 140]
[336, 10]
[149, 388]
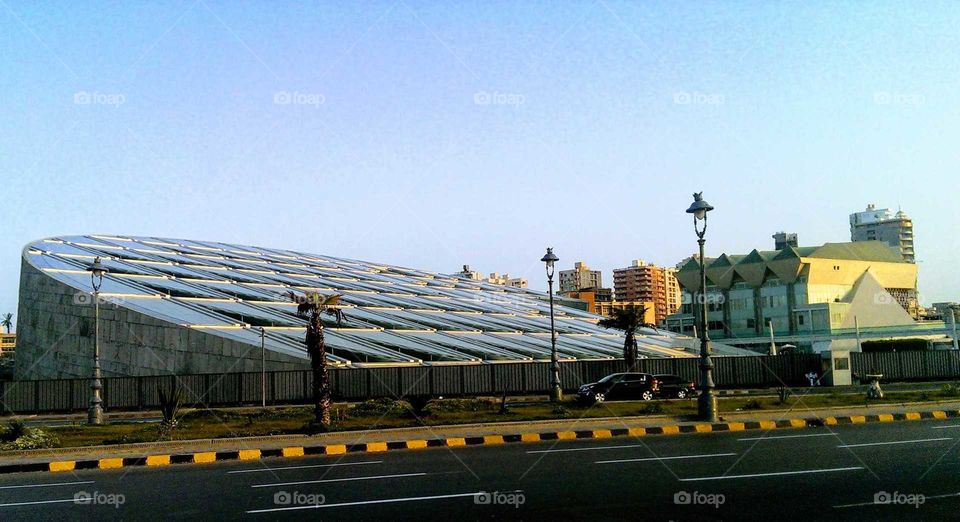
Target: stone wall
[56, 330]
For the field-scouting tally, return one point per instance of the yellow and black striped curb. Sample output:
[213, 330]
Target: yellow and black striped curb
[376, 447]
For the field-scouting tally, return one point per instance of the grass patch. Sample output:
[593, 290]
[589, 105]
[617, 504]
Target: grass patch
[385, 413]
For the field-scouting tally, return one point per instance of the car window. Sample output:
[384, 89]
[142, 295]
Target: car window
[636, 378]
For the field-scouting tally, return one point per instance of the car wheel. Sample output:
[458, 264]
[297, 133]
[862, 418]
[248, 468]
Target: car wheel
[598, 397]
[647, 395]
[682, 394]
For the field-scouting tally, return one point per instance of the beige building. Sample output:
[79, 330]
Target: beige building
[801, 290]
[580, 277]
[8, 342]
[649, 283]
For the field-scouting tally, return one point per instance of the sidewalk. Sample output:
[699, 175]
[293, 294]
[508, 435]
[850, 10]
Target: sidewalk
[254, 448]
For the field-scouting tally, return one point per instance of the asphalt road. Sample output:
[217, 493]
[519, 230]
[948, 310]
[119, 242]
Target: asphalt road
[833, 473]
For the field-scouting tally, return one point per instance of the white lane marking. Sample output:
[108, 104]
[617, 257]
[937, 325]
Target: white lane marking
[893, 442]
[260, 470]
[346, 479]
[14, 504]
[676, 457]
[49, 484]
[367, 502]
[946, 427]
[587, 449]
[776, 474]
[790, 436]
[861, 504]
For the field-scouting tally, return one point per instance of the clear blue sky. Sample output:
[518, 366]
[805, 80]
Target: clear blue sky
[603, 118]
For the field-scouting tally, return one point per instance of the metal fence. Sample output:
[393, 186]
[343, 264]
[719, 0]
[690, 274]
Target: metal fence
[291, 387]
[919, 365]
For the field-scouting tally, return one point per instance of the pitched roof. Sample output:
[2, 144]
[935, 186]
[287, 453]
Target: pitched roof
[857, 251]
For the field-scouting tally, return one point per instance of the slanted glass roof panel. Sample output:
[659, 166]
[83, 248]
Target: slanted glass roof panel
[394, 314]
[111, 285]
[177, 312]
[252, 314]
[63, 248]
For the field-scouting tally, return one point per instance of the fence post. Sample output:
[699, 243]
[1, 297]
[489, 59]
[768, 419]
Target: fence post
[306, 388]
[36, 396]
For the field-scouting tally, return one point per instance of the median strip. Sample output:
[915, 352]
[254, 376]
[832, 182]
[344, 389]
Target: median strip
[521, 436]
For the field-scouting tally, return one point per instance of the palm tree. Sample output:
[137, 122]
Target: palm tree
[628, 320]
[311, 306]
[7, 321]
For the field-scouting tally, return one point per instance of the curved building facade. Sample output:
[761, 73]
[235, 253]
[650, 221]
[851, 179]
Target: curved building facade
[179, 306]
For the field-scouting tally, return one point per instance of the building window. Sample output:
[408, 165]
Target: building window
[800, 319]
[751, 323]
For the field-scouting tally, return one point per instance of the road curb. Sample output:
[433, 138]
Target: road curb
[168, 459]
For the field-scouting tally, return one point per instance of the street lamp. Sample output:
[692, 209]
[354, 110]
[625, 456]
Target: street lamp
[556, 394]
[95, 414]
[707, 401]
[263, 368]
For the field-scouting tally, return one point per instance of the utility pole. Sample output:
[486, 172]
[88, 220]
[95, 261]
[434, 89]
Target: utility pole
[856, 325]
[773, 345]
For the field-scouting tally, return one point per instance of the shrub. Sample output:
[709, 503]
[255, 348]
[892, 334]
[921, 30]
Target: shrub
[380, 407]
[783, 393]
[652, 409]
[170, 405]
[950, 390]
[13, 431]
[17, 436]
[462, 405]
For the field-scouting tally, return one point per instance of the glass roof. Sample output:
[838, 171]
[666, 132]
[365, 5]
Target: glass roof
[393, 314]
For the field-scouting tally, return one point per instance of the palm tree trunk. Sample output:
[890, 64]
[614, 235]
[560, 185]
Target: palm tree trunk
[317, 349]
[629, 351]
[324, 403]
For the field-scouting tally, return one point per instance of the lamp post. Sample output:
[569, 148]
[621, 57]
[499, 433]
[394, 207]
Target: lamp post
[954, 309]
[95, 413]
[707, 401]
[556, 394]
[263, 368]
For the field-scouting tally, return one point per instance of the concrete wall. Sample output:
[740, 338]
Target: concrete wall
[55, 339]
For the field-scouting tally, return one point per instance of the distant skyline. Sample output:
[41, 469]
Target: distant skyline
[433, 135]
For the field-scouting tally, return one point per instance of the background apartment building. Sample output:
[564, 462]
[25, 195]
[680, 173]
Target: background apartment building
[495, 278]
[580, 277]
[649, 283]
[876, 224]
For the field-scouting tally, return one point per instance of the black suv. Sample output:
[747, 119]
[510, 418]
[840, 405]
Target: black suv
[675, 386]
[619, 386]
